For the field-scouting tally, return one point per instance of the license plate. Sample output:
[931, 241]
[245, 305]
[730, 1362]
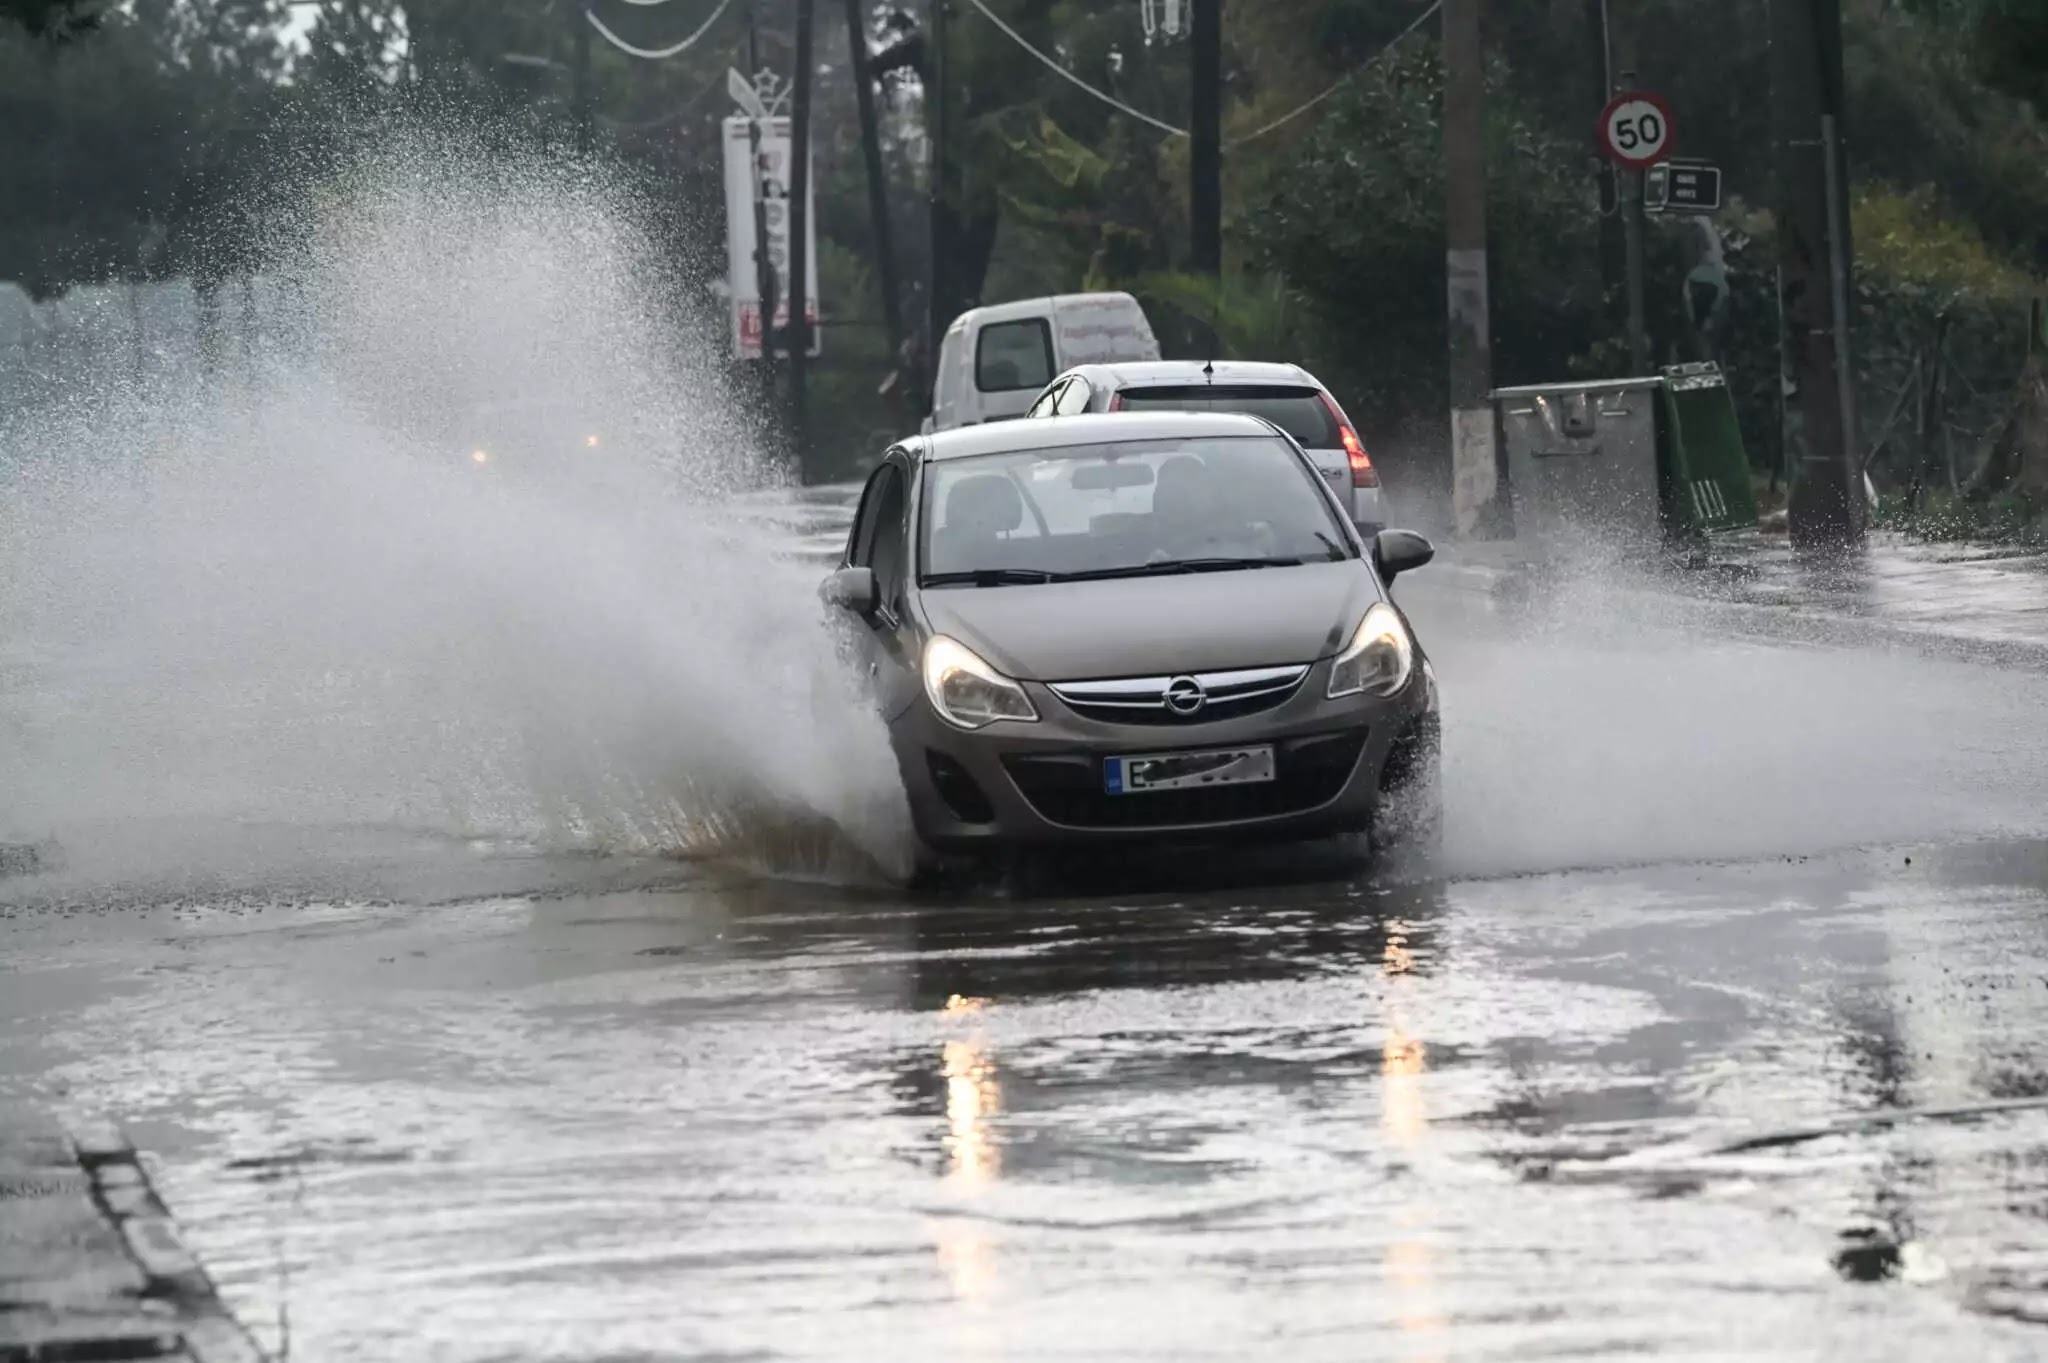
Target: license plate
[1187, 770]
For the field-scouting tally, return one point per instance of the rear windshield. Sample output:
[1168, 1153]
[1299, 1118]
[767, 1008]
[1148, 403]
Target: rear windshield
[1298, 411]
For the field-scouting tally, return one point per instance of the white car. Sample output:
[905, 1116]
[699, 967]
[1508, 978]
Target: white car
[1285, 394]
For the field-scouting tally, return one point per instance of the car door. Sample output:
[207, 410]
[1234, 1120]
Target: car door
[880, 541]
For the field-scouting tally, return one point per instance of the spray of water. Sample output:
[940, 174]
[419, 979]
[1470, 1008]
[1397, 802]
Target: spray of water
[1605, 719]
[457, 546]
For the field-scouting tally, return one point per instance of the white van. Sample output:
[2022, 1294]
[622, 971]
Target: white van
[995, 360]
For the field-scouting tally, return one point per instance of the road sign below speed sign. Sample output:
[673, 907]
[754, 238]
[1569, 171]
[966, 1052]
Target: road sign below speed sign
[1635, 129]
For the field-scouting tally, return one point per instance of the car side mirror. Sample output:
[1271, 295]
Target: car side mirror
[853, 589]
[1395, 552]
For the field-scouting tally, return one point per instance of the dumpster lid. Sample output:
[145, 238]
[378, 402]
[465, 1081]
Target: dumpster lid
[1537, 390]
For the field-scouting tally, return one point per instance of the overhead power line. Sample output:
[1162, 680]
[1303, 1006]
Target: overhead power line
[1336, 84]
[1014, 36]
[655, 53]
[1053, 64]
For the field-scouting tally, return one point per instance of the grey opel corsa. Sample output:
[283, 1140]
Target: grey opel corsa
[1139, 627]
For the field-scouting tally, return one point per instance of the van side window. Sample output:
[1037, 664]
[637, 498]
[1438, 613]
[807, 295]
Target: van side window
[1013, 355]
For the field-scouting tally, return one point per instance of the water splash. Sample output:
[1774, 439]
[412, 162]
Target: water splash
[453, 545]
[1604, 719]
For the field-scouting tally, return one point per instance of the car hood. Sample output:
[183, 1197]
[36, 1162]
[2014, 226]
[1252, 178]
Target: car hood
[1157, 626]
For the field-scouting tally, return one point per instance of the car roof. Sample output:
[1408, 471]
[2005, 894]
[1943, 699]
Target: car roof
[1038, 307]
[1148, 373]
[1007, 437]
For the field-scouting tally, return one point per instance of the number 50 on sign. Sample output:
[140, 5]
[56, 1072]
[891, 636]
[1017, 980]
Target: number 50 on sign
[1636, 129]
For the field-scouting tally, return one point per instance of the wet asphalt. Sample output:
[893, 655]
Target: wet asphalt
[1673, 1057]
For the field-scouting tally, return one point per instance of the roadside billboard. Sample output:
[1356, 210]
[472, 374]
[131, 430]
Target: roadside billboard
[743, 178]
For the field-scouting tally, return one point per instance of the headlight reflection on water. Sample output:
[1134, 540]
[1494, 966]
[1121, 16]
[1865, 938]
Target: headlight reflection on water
[974, 1097]
[1409, 1261]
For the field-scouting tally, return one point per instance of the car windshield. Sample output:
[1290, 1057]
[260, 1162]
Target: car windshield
[1301, 412]
[1126, 508]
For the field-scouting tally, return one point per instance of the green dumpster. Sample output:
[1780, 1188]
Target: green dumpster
[1704, 469]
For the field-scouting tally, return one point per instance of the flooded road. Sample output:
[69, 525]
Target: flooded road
[1713, 1039]
[464, 871]
[1578, 1115]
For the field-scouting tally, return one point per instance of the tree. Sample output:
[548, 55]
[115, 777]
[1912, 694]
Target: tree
[53, 19]
[121, 123]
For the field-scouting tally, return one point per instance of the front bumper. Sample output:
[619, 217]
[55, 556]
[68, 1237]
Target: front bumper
[1042, 783]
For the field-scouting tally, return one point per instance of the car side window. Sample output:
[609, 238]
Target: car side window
[1049, 399]
[1073, 398]
[886, 547]
[860, 536]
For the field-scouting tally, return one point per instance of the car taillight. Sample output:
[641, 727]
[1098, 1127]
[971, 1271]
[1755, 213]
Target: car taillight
[1116, 403]
[1363, 474]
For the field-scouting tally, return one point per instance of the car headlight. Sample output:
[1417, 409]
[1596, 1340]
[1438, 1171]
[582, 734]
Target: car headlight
[1379, 659]
[968, 692]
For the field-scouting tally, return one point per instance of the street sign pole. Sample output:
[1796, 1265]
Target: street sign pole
[1636, 133]
[1632, 224]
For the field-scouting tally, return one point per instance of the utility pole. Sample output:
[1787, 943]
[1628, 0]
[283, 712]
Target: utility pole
[764, 263]
[1474, 482]
[799, 237]
[580, 75]
[1814, 272]
[939, 280]
[1632, 227]
[1613, 265]
[1205, 148]
[878, 188]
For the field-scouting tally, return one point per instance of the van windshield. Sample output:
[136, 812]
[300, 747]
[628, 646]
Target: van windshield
[1301, 412]
[1124, 509]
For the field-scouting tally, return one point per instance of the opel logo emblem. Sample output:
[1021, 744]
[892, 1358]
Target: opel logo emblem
[1184, 696]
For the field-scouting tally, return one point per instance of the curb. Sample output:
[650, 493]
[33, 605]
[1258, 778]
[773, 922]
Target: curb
[90, 1193]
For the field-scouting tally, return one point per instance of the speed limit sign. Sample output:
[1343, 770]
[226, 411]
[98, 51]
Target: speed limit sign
[1635, 129]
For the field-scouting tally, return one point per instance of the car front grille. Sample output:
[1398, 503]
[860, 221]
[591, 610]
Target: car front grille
[1163, 700]
[1067, 788]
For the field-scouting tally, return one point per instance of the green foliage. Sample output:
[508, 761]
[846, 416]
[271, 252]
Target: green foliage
[1906, 236]
[56, 20]
[1253, 317]
[143, 163]
[2012, 518]
[134, 120]
[846, 380]
[1354, 220]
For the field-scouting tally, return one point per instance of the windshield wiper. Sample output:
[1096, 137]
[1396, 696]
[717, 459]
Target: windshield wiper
[1185, 565]
[989, 577]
